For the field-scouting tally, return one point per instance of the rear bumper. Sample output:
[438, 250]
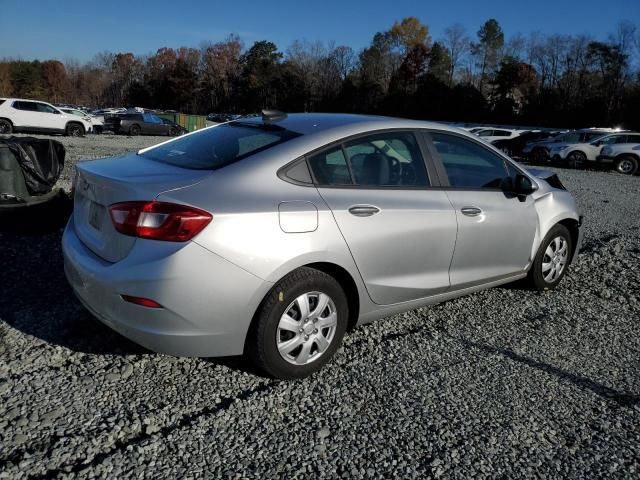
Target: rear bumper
[208, 302]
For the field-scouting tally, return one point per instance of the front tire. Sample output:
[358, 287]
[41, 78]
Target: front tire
[627, 165]
[552, 260]
[74, 130]
[134, 131]
[299, 325]
[576, 159]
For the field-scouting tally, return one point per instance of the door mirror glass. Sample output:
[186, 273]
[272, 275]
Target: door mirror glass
[522, 185]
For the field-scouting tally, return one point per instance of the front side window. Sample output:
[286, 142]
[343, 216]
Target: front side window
[469, 165]
[605, 140]
[219, 146]
[44, 108]
[151, 118]
[485, 133]
[389, 159]
[592, 136]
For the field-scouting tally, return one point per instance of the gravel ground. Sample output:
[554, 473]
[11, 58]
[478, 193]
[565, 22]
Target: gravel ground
[506, 383]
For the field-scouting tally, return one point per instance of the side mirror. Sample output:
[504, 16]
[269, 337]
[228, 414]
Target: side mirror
[522, 185]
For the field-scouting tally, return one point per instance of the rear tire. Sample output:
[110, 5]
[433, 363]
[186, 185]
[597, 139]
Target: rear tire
[299, 325]
[552, 260]
[74, 130]
[134, 130]
[5, 127]
[627, 165]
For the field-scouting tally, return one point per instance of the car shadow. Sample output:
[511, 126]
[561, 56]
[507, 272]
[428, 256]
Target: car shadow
[35, 297]
[622, 399]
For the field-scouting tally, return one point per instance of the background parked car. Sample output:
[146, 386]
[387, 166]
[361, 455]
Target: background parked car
[179, 128]
[96, 122]
[624, 157]
[538, 151]
[577, 154]
[514, 146]
[141, 124]
[20, 115]
[492, 134]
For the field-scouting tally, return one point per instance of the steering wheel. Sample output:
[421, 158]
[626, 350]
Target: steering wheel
[395, 173]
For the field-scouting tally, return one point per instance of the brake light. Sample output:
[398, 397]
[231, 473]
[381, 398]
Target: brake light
[158, 220]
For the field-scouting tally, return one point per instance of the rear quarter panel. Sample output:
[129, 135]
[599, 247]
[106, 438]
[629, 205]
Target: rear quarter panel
[246, 228]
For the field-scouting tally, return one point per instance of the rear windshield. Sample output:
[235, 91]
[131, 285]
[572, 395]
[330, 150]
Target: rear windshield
[219, 146]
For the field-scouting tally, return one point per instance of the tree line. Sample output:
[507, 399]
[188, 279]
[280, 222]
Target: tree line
[546, 80]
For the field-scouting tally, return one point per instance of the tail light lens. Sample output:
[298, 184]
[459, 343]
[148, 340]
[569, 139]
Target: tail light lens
[158, 220]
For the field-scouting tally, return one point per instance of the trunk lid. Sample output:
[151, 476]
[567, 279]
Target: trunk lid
[101, 183]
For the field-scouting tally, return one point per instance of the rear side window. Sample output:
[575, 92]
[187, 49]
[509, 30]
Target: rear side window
[630, 138]
[330, 167]
[27, 106]
[469, 165]
[219, 146]
[2, 101]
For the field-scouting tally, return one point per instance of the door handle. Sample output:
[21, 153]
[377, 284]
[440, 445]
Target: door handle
[363, 210]
[471, 211]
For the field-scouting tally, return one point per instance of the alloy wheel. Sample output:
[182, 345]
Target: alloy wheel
[625, 166]
[555, 259]
[307, 328]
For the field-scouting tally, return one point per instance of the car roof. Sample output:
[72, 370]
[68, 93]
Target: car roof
[28, 100]
[312, 123]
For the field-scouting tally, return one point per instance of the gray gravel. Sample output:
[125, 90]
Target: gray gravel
[507, 383]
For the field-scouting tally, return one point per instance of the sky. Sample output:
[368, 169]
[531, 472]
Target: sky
[66, 30]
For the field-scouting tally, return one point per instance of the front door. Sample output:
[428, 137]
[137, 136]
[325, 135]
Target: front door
[496, 229]
[400, 232]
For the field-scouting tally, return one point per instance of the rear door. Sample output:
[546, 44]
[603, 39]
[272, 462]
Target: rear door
[495, 229]
[26, 114]
[401, 231]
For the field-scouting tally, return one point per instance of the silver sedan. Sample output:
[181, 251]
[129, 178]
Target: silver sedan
[271, 236]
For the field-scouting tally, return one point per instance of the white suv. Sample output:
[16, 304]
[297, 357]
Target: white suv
[18, 115]
[577, 154]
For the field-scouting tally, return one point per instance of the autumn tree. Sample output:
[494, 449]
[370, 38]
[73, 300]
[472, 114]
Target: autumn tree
[487, 50]
[55, 79]
[457, 43]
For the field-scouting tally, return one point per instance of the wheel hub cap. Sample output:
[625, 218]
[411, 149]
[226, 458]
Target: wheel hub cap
[555, 259]
[307, 328]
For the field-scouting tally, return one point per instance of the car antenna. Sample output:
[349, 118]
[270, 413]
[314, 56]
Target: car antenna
[269, 116]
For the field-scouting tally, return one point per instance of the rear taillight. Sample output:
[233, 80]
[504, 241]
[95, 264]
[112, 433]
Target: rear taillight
[158, 220]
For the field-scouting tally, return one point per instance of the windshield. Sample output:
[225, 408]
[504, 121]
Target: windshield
[219, 146]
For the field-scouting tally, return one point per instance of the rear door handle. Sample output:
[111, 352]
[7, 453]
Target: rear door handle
[471, 211]
[363, 210]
